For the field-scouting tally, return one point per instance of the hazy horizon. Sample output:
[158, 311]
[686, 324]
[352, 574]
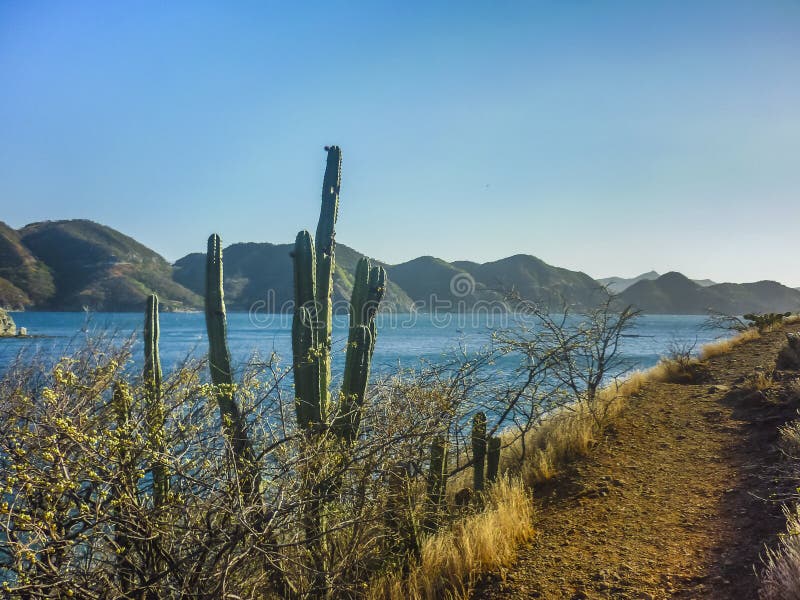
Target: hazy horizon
[612, 138]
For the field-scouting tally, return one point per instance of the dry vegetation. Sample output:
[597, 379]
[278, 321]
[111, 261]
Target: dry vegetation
[781, 575]
[79, 517]
[452, 560]
[528, 459]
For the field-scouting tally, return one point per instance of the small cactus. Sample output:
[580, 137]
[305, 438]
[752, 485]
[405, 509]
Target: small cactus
[765, 321]
[492, 459]
[478, 450]
[437, 480]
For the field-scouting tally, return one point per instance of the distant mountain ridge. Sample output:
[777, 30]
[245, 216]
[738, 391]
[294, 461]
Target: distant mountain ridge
[617, 285]
[69, 265]
[262, 273]
[674, 293]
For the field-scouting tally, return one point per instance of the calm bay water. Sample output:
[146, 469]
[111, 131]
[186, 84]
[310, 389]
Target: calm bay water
[403, 339]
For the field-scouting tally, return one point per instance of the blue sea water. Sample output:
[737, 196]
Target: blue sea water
[403, 340]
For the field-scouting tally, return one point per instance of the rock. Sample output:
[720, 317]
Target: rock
[7, 325]
[463, 496]
[756, 397]
[22, 331]
[789, 356]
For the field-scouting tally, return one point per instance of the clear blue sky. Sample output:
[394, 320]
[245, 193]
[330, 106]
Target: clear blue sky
[610, 137]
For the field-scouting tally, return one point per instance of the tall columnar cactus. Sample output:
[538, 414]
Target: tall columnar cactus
[492, 459]
[155, 412]
[311, 328]
[478, 450]
[314, 266]
[219, 362]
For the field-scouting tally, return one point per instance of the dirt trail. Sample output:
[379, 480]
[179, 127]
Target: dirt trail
[672, 503]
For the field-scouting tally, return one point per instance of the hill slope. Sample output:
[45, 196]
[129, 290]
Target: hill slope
[434, 283]
[24, 280]
[536, 281]
[98, 267]
[262, 272]
[673, 293]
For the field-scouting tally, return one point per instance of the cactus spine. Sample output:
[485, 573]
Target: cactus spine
[478, 450]
[219, 363]
[492, 459]
[155, 413]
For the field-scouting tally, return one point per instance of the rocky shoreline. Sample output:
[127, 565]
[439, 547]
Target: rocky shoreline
[8, 328]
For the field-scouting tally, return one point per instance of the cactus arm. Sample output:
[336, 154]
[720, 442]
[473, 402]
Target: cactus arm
[219, 363]
[368, 291]
[358, 299]
[354, 383]
[306, 357]
[478, 450]
[377, 289]
[155, 412]
[325, 255]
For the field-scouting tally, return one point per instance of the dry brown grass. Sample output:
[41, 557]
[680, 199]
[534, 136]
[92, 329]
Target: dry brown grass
[452, 560]
[793, 387]
[678, 370]
[728, 344]
[759, 381]
[569, 432]
[781, 577]
[689, 370]
[790, 439]
[791, 319]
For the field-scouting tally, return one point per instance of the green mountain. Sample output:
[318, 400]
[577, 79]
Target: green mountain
[673, 293]
[536, 281]
[435, 284]
[24, 280]
[66, 265]
[98, 267]
[260, 275]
